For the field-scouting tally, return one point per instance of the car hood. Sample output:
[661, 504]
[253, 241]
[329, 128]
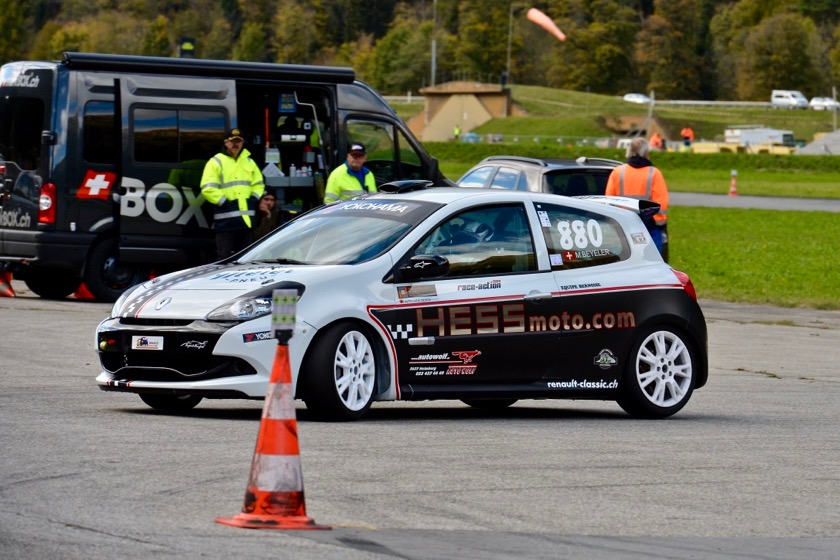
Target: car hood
[195, 292]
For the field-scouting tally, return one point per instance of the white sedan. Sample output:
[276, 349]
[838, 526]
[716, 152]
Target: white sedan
[824, 104]
[479, 295]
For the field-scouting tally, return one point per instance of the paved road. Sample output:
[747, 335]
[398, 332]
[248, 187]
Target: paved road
[760, 202]
[748, 470]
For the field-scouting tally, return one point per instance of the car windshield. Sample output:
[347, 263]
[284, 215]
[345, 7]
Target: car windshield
[347, 232]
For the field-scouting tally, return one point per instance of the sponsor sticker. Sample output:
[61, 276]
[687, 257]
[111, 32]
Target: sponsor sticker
[147, 343]
[257, 336]
[420, 292]
[194, 344]
[605, 359]
[96, 184]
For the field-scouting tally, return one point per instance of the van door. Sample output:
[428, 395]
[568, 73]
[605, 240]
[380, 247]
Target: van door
[171, 126]
[390, 154]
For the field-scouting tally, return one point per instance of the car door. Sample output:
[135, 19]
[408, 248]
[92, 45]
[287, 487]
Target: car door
[596, 305]
[467, 323]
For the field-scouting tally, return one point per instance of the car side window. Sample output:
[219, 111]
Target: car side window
[476, 178]
[487, 241]
[505, 178]
[579, 238]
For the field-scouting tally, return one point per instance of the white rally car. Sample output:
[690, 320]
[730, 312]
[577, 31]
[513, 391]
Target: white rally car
[484, 296]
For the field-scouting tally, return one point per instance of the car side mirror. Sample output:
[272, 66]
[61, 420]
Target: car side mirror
[422, 267]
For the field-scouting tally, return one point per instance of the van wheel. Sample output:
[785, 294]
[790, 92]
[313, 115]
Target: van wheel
[51, 283]
[171, 403]
[105, 276]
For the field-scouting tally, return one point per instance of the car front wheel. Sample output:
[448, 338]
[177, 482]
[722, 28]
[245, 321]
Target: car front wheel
[340, 374]
[659, 378]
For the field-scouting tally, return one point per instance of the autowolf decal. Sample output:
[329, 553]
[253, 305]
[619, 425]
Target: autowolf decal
[467, 356]
[96, 184]
[257, 336]
[458, 362]
[195, 344]
[605, 359]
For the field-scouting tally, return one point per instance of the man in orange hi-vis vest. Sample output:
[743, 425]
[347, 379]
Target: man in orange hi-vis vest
[639, 179]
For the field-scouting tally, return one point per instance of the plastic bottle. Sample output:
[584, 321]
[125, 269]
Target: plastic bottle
[293, 171]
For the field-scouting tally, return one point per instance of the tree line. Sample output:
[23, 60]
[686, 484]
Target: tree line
[681, 49]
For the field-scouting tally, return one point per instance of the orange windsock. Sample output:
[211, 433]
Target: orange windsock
[546, 23]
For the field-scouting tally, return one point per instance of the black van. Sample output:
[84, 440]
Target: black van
[101, 157]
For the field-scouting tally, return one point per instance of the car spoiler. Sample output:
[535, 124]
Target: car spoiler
[645, 208]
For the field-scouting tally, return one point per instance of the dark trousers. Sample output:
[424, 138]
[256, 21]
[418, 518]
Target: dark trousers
[230, 242]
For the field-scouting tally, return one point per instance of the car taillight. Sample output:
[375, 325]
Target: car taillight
[687, 285]
[46, 204]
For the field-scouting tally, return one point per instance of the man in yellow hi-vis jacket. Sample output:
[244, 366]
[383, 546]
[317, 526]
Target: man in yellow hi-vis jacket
[233, 184]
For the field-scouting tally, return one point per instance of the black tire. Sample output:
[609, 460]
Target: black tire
[489, 404]
[171, 403]
[339, 376]
[105, 276]
[659, 376]
[50, 283]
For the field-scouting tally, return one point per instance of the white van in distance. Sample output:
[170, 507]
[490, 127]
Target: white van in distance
[788, 99]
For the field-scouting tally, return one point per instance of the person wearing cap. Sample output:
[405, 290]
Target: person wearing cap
[352, 178]
[233, 184]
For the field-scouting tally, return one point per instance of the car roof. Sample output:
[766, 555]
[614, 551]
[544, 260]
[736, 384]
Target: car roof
[456, 195]
[549, 164]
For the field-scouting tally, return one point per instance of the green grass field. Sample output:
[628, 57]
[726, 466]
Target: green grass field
[758, 256]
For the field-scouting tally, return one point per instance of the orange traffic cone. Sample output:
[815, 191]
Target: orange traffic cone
[6, 289]
[733, 188]
[274, 497]
[83, 293]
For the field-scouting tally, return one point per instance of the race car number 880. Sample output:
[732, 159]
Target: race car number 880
[578, 235]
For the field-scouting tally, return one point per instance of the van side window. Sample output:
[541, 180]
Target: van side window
[176, 136]
[98, 128]
[390, 155]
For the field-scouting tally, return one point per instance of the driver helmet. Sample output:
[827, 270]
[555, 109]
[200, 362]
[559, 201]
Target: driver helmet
[480, 230]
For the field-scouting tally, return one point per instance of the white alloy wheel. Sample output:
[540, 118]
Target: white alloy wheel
[339, 374]
[664, 369]
[355, 371]
[659, 378]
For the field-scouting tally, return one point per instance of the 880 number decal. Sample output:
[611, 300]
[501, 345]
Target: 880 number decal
[579, 235]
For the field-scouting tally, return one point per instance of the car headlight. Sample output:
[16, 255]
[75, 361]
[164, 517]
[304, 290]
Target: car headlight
[242, 308]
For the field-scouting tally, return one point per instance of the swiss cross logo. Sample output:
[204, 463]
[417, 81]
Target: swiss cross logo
[569, 256]
[96, 184]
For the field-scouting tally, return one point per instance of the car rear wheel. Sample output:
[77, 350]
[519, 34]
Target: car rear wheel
[489, 404]
[171, 403]
[659, 378]
[340, 374]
